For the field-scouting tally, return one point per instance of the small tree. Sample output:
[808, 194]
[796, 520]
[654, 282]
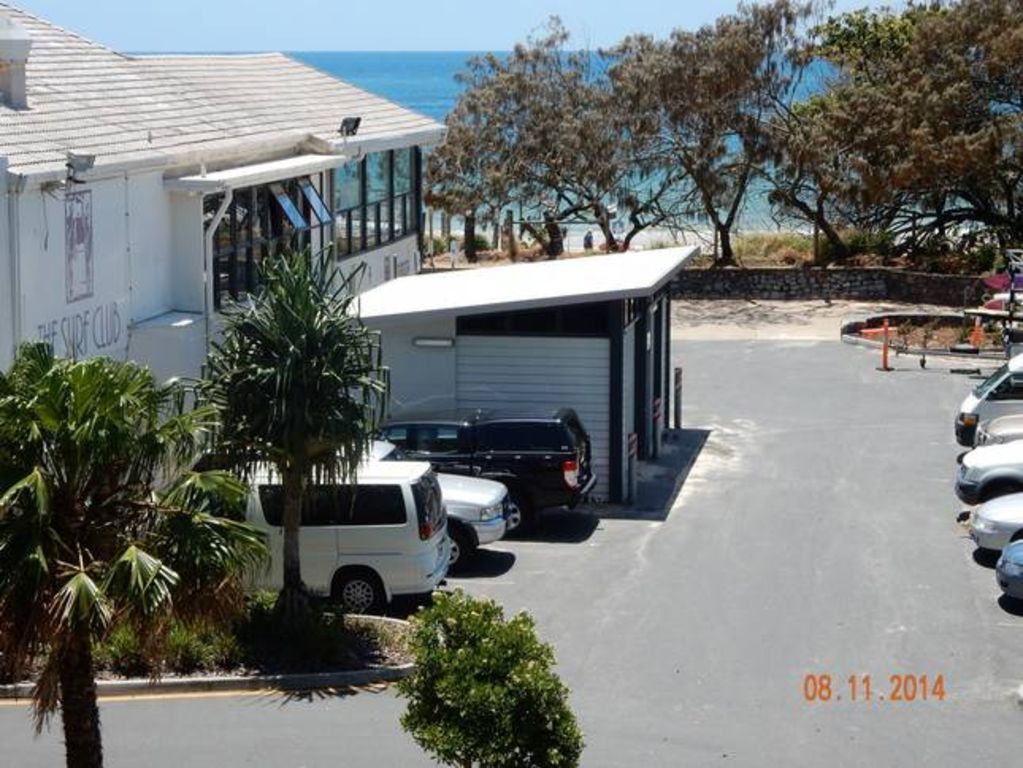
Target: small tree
[298, 381]
[484, 691]
[100, 527]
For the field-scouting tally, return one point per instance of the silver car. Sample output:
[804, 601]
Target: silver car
[1004, 429]
[476, 508]
[1009, 570]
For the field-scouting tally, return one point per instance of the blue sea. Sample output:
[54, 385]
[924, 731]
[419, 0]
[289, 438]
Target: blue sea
[425, 82]
[422, 81]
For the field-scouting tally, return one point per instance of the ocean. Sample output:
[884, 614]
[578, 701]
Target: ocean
[425, 82]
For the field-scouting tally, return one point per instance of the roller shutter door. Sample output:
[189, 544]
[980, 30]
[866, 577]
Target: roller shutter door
[508, 372]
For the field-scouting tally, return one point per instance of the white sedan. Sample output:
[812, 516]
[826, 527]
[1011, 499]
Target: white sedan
[997, 522]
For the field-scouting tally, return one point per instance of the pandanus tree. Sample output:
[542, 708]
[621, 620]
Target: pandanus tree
[299, 383]
[103, 524]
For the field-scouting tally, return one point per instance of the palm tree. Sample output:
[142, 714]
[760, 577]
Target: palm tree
[299, 384]
[102, 525]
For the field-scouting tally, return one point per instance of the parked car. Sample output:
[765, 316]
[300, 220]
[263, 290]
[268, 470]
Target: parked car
[998, 522]
[1004, 429]
[1009, 570]
[476, 507]
[544, 457]
[990, 471]
[366, 543]
[1000, 394]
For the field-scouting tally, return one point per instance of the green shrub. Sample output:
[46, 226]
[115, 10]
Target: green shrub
[484, 690]
[482, 242]
[122, 654]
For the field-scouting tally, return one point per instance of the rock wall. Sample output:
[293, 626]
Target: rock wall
[868, 283]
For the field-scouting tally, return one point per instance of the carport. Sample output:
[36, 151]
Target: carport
[591, 334]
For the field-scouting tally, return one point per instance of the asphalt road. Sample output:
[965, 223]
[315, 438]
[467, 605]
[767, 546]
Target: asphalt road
[815, 534]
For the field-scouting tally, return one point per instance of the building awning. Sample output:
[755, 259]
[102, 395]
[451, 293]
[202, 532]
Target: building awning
[523, 286]
[251, 175]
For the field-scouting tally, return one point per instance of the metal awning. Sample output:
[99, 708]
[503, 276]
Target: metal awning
[523, 286]
[251, 175]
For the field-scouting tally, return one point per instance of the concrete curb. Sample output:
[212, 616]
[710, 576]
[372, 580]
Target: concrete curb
[297, 682]
[137, 687]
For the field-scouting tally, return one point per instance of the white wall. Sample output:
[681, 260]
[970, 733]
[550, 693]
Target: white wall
[7, 294]
[422, 378]
[95, 323]
[385, 263]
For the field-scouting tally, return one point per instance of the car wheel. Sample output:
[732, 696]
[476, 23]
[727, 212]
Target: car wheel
[359, 591]
[514, 517]
[461, 547]
[526, 514]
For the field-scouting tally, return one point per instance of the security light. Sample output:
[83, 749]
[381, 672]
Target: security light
[78, 163]
[350, 126]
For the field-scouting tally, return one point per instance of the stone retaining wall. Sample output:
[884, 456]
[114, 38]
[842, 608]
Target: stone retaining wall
[868, 283]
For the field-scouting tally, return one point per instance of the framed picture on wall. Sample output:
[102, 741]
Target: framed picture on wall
[79, 271]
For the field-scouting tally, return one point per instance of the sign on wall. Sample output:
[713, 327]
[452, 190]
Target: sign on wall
[79, 279]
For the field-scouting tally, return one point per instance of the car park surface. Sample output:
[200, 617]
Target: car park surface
[686, 640]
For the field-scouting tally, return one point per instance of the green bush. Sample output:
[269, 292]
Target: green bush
[482, 242]
[484, 690]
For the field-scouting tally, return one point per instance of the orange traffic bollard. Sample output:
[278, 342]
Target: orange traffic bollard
[977, 334]
[884, 347]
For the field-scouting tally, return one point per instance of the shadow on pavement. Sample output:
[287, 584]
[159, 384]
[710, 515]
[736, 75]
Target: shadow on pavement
[988, 558]
[1011, 605]
[564, 526]
[487, 563]
[658, 481]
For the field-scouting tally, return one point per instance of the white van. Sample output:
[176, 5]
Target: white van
[1000, 394]
[390, 539]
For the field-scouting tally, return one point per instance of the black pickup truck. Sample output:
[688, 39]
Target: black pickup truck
[543, 458]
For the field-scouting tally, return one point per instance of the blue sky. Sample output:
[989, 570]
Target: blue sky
[399, 25]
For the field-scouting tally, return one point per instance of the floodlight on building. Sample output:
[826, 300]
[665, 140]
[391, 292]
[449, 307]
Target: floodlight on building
[78, 163]
[350, 126]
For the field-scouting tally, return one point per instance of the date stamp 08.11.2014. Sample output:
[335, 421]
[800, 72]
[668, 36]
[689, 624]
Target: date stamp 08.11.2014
[823, 688]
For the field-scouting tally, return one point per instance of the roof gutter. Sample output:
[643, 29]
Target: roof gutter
[294, 143]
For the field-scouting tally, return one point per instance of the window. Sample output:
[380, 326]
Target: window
[375, 200]
[260, 222]
[429, 506]
[436, 439]
[396, 435]
[522, 436]
[332, 505]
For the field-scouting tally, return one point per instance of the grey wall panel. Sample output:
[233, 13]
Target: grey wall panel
[511, 371]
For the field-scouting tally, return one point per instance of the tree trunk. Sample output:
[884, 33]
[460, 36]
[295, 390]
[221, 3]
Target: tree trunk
[555, 241]
[79, 712]
[725, 256]
[293, 600]
[510, 239]
[470, 237]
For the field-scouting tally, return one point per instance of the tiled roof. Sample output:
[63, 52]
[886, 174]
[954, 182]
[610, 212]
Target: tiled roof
[168, 110]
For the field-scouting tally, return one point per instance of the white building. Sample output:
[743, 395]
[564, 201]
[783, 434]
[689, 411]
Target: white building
[141, 192]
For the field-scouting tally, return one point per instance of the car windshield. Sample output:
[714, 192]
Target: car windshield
[983, 389]
[1013, 553]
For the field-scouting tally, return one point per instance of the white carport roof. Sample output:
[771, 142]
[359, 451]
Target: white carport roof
[523, 286]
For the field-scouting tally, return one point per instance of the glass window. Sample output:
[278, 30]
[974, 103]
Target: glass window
[316, 204]
[396, 435]
[429, 505]
[991, 382]
[348, 186]
[522, 436]
[436, 439]
[385, 221]
[288, 206]
[402, 171]
[378, 176]
[333, 505]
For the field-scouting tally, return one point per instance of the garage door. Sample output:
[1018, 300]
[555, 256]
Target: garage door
[508, 372]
